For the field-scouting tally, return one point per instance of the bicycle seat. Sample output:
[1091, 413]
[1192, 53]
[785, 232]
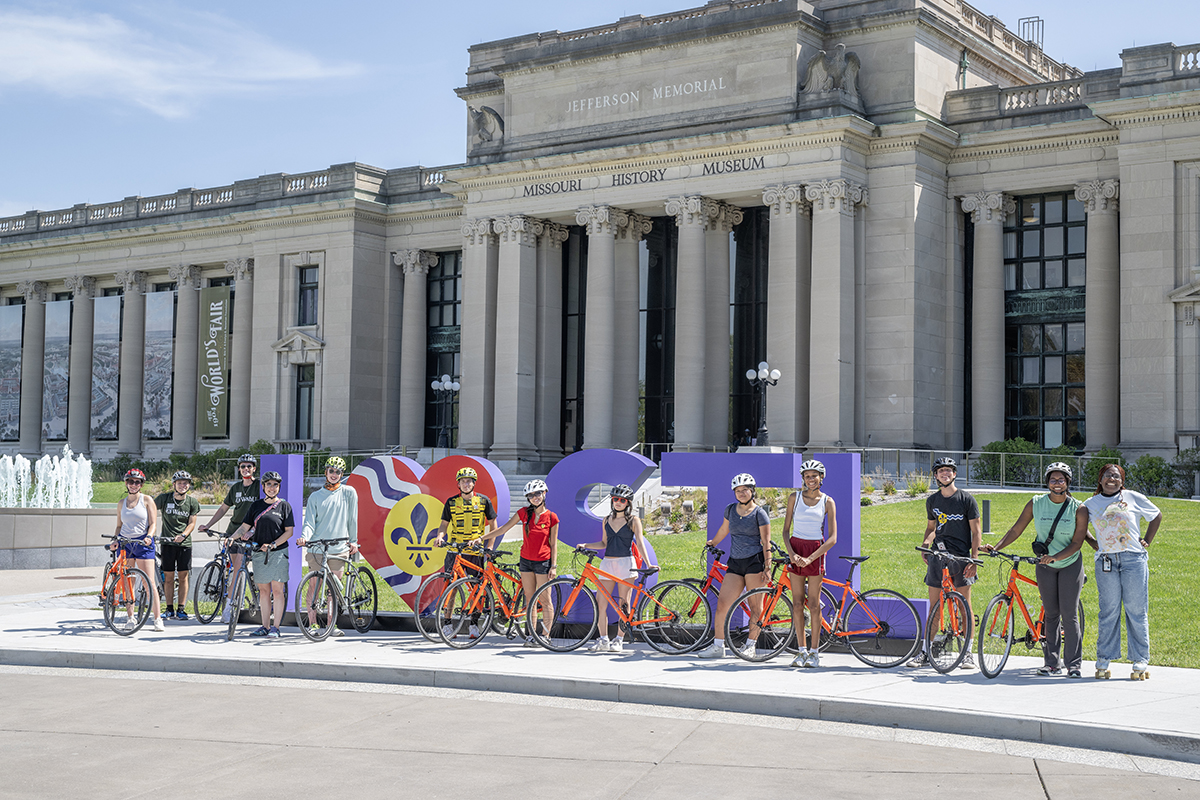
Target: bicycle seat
[645, 571]
[854, 559]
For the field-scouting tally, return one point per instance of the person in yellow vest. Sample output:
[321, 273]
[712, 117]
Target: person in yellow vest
[466, 517]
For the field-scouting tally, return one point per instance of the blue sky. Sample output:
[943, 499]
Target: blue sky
[99, 101]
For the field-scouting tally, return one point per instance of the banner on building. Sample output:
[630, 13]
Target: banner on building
[160, 362]
[11, 321]
[57, 371]
[212, 411]
[106, 366]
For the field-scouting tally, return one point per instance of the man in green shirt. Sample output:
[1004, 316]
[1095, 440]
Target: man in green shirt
[240, 497]
[177, 518]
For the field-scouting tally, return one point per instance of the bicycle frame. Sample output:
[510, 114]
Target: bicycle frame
[595, 575]
[1013, 592]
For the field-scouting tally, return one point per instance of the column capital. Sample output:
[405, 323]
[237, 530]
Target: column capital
[413, 262]
[1099, 197]
[186, 276]
[242, 269]
[837, 194]
[517, 229]
[983, 206]
[600, 220]
[554, 234]
[787, 200]
[688, 210]
[83, 287]
[722, 217]
[635, 228]
[131, 280]
[33, 290]
[478, 232]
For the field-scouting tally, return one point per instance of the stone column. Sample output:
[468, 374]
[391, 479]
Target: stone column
[599, 331]
[721, 218]
[1102, 318]
[626, 330]
[548, 396]
[987, 210]
[789, 289]
[79, 400]
[832, 399]
[33, 363]
[242, 270]
[187, 344]
[691, 217]
[476, 401]
[516, 339]
[415, 265]
[133, 352]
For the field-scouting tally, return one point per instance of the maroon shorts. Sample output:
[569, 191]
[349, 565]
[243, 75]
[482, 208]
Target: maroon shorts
[806, 547]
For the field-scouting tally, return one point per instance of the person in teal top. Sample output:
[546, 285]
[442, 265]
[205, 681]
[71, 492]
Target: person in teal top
[1060, 581]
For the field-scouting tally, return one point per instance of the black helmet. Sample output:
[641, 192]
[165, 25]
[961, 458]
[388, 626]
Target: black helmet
[272, 476]
[945, 461]
[621, 490]
[247, 458]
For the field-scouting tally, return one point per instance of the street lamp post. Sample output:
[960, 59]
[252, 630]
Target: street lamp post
[443, 392]
[760, 379]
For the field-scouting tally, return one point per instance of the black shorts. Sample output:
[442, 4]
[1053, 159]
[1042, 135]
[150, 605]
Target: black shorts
[933, 573]
[751, 565]
[175, 557]
[536, 567]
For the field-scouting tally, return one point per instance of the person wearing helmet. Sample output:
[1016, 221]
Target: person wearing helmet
[539, 547]
[240, 497]
[620, 530]
[136, 520]
[1059, 577]
[953, 525]
[809, 531]
[270, 522]
[330, 513]
[177, 513]
[749, 530]
[466, 517]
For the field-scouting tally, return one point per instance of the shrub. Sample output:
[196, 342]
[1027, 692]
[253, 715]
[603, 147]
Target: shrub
[1019, 464]
[1185, 466]
[1091, 470]
[866, 485]
[1151, 475]
[917, 483]
[864, 501]
[889, 487]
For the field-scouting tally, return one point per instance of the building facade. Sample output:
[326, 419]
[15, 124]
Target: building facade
[938, 234]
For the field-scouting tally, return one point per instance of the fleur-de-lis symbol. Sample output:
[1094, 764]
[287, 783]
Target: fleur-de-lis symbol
[418, 536]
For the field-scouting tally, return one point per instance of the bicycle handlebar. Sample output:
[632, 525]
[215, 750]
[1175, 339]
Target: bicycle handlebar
[929, 551]
[1013, 558]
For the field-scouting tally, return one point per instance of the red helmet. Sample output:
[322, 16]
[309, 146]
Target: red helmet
[135, 474]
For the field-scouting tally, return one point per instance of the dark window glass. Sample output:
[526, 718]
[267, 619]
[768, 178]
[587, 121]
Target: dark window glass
[443, 346]
[308, 296]
[305, 381]
[1054, 275]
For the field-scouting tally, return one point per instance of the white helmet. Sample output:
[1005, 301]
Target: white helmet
[812, 465]
[1058, 466]
[534, 487]
[744, 479]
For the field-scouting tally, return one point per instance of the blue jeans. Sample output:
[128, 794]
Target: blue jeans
[1128, 585]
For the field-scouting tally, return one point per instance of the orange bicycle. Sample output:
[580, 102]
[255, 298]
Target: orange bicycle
[125, 586]
[490, 600]
[662, 615]
[997, 626]
[949, 627]
[433, 586]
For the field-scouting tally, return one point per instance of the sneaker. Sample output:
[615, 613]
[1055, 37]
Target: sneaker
[530, 642]
[968, 662]
[714, 650]
[181, 616]
[921, 659]
[473, 632]
[749, 650]
[801, 659]
[602, 645]
[158, 625]
[261, 632]
[1074, 673]
[274, 633]
[337, 632]
[225, 616]
[447, 632]
[129, 624]
[616, 646]
[1046, 672]
[814, 659]
[169, 613]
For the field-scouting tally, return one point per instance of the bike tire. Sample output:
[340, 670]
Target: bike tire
[508, 624]
[775, 624]
[889, 626]
[674, 617]
[569, 628]
[467, 602]
[237, 599]
[996, 635]
[708, 635]
[324, 606]
[129, 592]
[209, 596]
[425, 604]
[362, 598]
[948, 632]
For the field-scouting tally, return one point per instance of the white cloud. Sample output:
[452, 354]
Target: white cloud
[168, 63]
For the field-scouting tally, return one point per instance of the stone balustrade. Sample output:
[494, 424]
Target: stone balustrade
[992, 29]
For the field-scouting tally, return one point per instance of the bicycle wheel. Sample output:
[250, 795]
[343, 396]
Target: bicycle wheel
[322, 608]
[674, 617]
[829, 613]
[237, 598]
[707, 638]
[210, 592]
[127, 602]
[362, 598]
[774, 621]
[995, 635]
[466, 608]
[508, 623]
[882, 628]
[563, 628]
[948, 632]
[425, 604]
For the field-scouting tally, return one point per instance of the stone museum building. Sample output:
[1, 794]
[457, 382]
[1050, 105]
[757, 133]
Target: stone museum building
[937, 233]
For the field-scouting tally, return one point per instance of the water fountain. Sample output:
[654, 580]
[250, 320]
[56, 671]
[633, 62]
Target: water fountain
[53, 482]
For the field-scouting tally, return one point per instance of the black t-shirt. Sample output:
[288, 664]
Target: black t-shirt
[952, 515]
[269, 521]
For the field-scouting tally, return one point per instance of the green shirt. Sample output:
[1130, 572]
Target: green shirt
[1044, 512]
[176, 514]
[240, 498]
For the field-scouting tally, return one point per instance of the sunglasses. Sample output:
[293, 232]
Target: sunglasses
[134, 483]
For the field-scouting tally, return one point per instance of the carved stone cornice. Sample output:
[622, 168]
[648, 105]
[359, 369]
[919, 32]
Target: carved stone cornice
[33, 290]
[838, 195]
[787, 200]
[517, 229]
[1099, 197]
[602, 220]
[82, 287]
[554, 234]
[988, 206]
[478, 232]
[414, 262]
[131, 280]
[242, 269]
[635, 228]
[186, 276]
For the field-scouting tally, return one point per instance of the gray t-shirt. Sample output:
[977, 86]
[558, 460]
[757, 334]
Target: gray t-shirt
[744, 538]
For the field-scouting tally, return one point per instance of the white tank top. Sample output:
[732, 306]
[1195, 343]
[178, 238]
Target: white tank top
[808, 521]
[134, 521]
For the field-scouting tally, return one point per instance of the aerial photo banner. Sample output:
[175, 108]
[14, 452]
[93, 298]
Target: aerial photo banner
[159, 355]
[106, 366]
[213, 365]
[11, 318]
[57, 369]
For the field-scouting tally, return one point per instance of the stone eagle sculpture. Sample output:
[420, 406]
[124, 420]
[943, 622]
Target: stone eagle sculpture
[826, 73]
[486, 124]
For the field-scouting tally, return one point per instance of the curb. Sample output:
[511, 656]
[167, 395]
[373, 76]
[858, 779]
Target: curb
[1175, 747]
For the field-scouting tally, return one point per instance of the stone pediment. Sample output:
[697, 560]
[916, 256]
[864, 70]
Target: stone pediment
[1186, 297]
[300, 346]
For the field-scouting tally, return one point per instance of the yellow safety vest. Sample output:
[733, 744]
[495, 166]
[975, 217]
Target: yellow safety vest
[467, 520]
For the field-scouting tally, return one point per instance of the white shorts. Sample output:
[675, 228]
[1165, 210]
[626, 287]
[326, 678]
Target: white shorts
[622, 567]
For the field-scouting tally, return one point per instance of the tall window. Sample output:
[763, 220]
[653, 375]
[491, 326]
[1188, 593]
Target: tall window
[574, 304]
[306, 379]
[1045, 271]
[444, 343]
[656, 367]
[307, 314]
[747, 316]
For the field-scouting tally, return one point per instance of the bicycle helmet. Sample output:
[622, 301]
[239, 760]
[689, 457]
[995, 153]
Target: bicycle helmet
[621, 490]
[744, 479]
[535, 486]
[336, 462]
[945, 461]
[135, 474]
[182, 475]
[466, 472]
[247, 458]
[1058, 466]
[272, 476]
[812, 465]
